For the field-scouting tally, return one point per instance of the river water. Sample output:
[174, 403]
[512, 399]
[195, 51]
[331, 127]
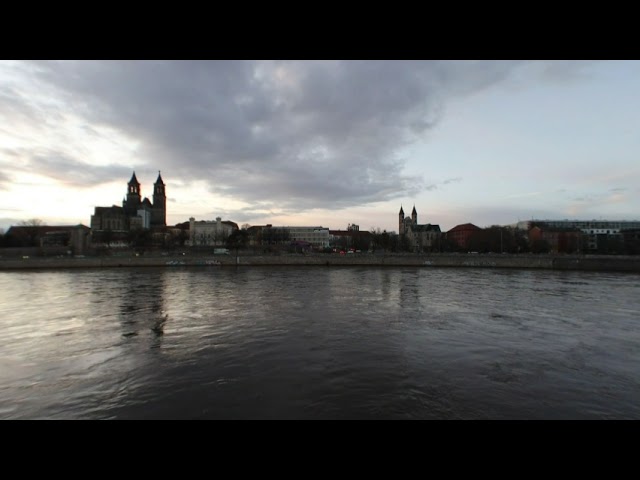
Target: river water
[319, 343]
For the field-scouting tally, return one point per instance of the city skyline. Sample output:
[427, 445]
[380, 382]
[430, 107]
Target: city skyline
[323, 142]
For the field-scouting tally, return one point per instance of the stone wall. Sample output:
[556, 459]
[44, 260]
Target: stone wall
[555, 262]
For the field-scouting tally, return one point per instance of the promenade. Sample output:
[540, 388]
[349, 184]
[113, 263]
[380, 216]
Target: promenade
[615, 263]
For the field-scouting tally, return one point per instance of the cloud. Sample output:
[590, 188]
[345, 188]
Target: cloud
[452, 180]
[5, 180]
[61, 167]
[566, 72]
[299, 134]
[435, 186]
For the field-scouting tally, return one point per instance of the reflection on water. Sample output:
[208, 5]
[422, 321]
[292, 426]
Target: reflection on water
[320, 343]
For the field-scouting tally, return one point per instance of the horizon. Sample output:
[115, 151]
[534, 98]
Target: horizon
[326, 143]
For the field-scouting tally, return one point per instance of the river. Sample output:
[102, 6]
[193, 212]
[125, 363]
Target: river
[319, 343]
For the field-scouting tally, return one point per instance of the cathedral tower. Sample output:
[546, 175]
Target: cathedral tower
[401, 221]
[414, 216]
[133, 200]
[159, 212]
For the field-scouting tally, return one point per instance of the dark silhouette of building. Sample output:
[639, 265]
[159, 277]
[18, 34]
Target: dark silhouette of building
[71, 237]
[418, 237]
[135, 212]
[157, 210]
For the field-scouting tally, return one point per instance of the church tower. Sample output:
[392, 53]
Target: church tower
[159, 213]
[401, 221]
[133, 200]
[414, 216]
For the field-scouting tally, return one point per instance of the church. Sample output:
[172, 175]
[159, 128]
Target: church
[135, 212]
[156, 212]
[419, 238]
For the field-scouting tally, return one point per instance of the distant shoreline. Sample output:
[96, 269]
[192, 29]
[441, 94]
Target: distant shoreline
[614, 263]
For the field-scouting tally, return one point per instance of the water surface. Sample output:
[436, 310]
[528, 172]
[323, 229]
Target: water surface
[319, 343]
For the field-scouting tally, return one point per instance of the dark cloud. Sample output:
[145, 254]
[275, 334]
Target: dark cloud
[301, 134]
[61, 167]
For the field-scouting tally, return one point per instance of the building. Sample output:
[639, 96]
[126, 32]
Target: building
[418, 238]
[268, 235]
[558, 239]
[47, 237]
[462, 234]
[113, 223]
[351, 238]
[597, 235]
[154, 214]
[111, 218]
[317, 237]
[211, 234]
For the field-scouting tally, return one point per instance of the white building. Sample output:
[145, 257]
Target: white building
[316, 236]
[206, 233]
[145, 216]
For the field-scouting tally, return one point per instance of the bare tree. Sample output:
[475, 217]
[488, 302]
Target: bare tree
[32, 222]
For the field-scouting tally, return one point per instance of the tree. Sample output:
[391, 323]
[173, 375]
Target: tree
[376, 238]
[32, 222]
[522, 241]
[30, 228]
[447, 244]
[404, 245]
[238, 240]
[540, 246]
[140, 240]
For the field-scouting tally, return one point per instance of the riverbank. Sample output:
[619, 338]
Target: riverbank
[525, 261]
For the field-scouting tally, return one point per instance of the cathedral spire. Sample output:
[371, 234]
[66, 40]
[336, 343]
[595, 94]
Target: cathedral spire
[159, 213]
[134, 180]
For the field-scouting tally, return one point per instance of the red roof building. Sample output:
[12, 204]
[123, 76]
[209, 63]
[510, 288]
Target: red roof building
[461, 234]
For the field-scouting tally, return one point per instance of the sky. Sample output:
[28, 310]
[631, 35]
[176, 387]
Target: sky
[327, 143]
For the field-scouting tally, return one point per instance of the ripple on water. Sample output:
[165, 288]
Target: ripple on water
[355, 342]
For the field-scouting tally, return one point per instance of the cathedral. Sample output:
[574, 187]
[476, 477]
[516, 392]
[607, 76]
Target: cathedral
[135, 212]
[420, 238]
[156, 211]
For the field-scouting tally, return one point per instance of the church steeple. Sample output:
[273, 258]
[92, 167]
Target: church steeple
[159, 215]
[158, 187]
[414, 216]
[401, 221]
[134, 184]
[133, 196]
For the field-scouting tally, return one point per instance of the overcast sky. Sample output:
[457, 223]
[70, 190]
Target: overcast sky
[323, 142]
